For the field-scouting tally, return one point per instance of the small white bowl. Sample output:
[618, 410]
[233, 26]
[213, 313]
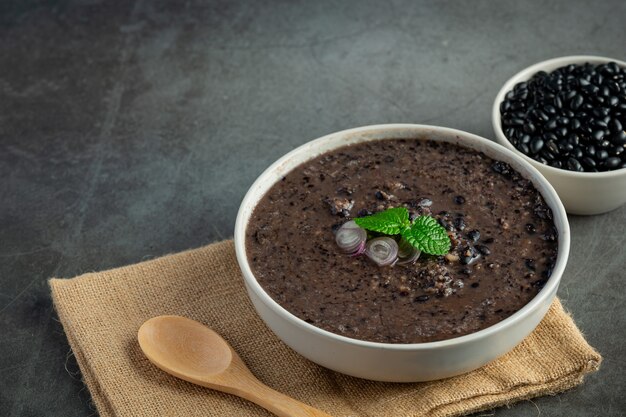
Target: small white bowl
[399, 362]
[581, 192]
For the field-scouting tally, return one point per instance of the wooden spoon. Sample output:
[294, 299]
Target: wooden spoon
[193, 352]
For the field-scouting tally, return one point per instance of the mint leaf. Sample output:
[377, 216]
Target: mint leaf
[427, 235]
[392, 221]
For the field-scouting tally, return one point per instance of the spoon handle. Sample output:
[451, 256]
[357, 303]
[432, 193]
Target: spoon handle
[276, 402]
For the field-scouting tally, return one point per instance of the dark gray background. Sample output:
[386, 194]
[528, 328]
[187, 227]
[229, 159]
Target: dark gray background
[129, 130]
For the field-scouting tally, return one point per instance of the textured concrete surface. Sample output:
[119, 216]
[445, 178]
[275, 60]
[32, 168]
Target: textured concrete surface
[132, 129]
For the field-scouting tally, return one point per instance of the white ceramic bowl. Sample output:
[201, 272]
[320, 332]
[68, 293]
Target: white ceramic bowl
[581, 192]
[399, 362]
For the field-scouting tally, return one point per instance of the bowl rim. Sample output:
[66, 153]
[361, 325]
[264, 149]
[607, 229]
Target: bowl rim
[550, 287]
[525, 74]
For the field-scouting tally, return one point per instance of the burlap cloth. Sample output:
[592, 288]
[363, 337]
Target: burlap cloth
[101, 313]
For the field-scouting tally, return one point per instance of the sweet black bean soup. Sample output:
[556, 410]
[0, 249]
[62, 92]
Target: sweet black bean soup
[504, 242]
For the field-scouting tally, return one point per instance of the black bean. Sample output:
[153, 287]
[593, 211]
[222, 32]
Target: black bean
[558, 103]
[574, 165]
[522, 85]
[605, 144]
[483, 249]
[597, 79]
[619, 138]
[615, 125]
[614, 67]
[587, 129]
[550, 234]
[556, 164]
[523, 148]
[598, 134]
[549, 109]
[600, 123]
[561, 132]
[547, 155]
[576, 102]
[530, 264]
[459, 199]
[474, 235]
[548, 136]
[613, 101]
[446, 225]
[518, 105]
[552, 147]
[566, 148]
[536, 145]
[530, 228]
[590, 150]
[542, 116]
[601, 111]
[574, 124]
[602, 154]
[529, 128]
[474, 285]
[616, 150]
[459, 223]
[468, 260]
[612, 162]
[604, 91]
[421, 298]
[577, 153]
[551, 125]
[588, 162]
[501, 167]
[591, 90]
[573, 139]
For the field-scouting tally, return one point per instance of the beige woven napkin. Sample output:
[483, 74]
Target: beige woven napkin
[101, 313]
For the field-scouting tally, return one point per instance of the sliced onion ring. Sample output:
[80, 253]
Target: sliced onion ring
[407, 253]
[351, 238]
[382, 250]
[360, 249]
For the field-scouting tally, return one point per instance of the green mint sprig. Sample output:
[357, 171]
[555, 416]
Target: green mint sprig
[425, 233]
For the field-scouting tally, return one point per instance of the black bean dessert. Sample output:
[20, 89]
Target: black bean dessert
[503, 241]
[573, 118]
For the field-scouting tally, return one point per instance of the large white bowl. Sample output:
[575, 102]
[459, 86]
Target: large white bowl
[399, 362]
[581, 192]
